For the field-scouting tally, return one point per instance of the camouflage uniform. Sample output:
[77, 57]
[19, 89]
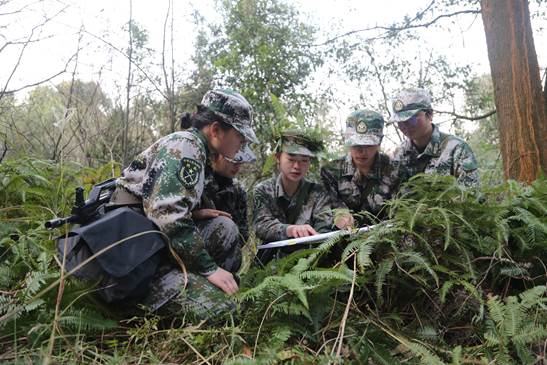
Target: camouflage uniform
[445, 154]
[342, 179]
[168, 178]
[228, 195]
[358, 193]
[274, 211]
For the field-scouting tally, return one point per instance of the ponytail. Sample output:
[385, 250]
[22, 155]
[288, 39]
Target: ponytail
[186, 120]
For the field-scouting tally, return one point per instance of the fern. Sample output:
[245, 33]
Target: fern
[383, 269]
[86, 321]
[426, 356]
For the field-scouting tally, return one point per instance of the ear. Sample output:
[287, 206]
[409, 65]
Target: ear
[215, 129]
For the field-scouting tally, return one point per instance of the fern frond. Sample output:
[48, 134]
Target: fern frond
[326, 275]
[534, 296]
[291, 309]
[426, 356]
[86, 321]
[383, 269]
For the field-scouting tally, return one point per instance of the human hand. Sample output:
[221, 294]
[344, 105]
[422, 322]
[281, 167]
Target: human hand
[209, 213]
[344, 220]
[224, 280]
[300, 230]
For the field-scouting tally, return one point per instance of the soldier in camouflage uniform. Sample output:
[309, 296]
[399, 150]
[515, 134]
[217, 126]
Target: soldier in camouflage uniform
[225, 197]
[289, 205]
[169, 178]
[361, 181]
[427, 149]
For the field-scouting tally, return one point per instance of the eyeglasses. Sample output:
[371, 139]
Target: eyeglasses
[231, 160]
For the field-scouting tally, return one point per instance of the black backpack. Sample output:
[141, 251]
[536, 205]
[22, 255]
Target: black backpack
[124, 271]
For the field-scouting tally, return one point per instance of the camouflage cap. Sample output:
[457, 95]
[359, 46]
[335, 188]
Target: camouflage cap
[234, 110]
[364, 128]
[298, 142]
[244, 155]
[408, 102]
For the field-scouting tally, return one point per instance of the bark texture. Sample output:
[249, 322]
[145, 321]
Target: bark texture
[520, 100]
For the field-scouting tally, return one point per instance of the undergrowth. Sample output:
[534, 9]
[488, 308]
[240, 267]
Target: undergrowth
[454, 276]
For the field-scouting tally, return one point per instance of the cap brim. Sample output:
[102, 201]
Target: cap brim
[363, 140]
[247, 132]
[298, 150]
[402, 116]
[244, 155]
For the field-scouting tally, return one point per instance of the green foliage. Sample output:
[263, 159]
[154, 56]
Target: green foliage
[257, 49]
[32, 192]
[484, 137]
[453, 276]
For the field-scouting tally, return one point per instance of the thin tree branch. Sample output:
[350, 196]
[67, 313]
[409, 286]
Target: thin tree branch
[25, 41]
[396, 29]
[9, 92]
[484, 116]
[128, 87]
[381, 82]
[150, 79]
[21, 53]
[5, 150]
[20, 9]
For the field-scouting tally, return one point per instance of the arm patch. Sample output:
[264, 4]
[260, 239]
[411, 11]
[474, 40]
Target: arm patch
[189, 172]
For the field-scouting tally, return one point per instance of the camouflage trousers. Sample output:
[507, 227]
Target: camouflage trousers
[199, 299]
[221, 237]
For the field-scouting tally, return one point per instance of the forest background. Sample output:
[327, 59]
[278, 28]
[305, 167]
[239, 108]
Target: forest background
[85, 87]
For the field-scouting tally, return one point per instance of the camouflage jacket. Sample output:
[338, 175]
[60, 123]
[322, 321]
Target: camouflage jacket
[272, 209]
[228, 195]
[444, 155]
[169, 178]
[350, 190]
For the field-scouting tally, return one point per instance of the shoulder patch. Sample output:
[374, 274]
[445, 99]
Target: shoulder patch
[189, 172]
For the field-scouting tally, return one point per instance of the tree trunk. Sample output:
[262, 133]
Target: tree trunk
[128, 87]
[517, 88]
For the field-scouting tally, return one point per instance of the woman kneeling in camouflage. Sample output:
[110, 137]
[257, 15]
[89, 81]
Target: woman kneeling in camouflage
[168, 178]
[289, 206]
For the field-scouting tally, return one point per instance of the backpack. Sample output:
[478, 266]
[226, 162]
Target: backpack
[124, 271]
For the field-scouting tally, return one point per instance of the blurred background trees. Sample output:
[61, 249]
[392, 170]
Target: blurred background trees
[291, 69]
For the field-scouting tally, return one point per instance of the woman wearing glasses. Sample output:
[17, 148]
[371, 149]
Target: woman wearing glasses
[223, 207]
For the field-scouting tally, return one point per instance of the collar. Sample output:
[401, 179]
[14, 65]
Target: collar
[201, 137]
[349, 168]
[433, 148]
[280, 192]
[222, 181]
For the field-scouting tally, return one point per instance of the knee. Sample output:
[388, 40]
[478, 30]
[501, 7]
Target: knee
[226, 228]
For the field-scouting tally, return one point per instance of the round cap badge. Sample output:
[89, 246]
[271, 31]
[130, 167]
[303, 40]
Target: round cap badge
[361, 127]
[398, 105]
